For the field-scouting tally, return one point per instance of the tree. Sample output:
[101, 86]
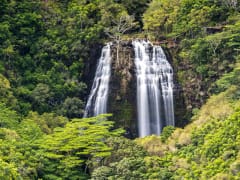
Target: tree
[231, 3]
[135, 8]
[68, 151]
[121, 148]
[8, 171]
[41, 95]
[160, 16]
[47, 121]
[214, 43]
[72, 108]
[121, 25]
[6, 95]
[8, 117]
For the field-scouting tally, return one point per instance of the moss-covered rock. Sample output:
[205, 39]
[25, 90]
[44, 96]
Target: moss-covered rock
[122, 92]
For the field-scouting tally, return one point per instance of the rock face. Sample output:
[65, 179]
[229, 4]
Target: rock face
[122, 92]
[180, 108]
[91, 66]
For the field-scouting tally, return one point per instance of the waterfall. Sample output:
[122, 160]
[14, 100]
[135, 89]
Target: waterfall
[97, 101]
[154, 88]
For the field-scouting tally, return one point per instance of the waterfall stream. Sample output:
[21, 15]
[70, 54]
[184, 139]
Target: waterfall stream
[97, 100]
[154, 88]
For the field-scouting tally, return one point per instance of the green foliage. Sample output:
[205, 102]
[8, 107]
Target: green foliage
[45, 52]
[126, 156]
[158, 18]
[130, 161]
[122, 147]
[182, 18]
[228, 79]
[8, 117]
[18, 151]
[69, 151]
[166, 133]
[45, 48]
[45, 122]
[217, 148]
[28, 153]
[212, 150]
[133, 168]
[135, 8]
[6, 94]
[72, 107]
[8, 171]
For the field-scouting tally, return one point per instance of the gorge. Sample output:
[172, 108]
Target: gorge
[154, 91]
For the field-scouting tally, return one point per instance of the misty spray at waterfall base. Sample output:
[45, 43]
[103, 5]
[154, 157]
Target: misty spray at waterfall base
[154, 87]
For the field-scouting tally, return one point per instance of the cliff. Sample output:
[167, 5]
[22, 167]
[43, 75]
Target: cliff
[122, 93]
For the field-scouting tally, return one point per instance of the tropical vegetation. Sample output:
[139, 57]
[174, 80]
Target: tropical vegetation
[48, 51]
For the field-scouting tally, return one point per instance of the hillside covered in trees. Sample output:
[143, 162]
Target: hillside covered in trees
[48, 56]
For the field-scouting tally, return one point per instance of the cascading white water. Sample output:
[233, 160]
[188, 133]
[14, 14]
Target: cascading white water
[154, 88]
[97, 101]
